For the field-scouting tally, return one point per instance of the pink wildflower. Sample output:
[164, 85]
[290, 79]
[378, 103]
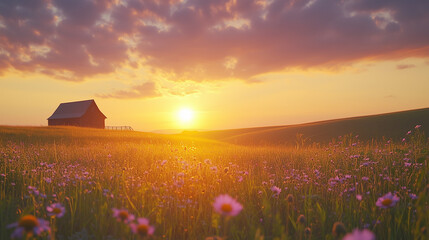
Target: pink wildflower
[142, 227]
[387, 201]
[276, 191]
[226, 205]
[56, 210]
[29, 226]
[122, 215]
[360, 235]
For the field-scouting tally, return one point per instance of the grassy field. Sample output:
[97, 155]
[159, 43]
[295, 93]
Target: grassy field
[295, 192]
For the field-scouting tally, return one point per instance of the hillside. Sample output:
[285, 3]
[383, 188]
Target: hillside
[79, 135]
[389, 125]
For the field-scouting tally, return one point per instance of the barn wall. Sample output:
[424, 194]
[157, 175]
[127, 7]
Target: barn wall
[64, 122]
[93, 118]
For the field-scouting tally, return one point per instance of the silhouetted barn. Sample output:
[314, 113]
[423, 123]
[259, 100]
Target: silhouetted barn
[81, 114]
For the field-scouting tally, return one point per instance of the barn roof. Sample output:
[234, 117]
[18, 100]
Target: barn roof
[73, 109]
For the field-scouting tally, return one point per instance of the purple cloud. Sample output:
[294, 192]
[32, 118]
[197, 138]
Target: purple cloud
[404, 66]
[145, 90]
[202, 40]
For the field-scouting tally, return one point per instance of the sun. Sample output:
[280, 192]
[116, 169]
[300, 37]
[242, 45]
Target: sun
[186, 115]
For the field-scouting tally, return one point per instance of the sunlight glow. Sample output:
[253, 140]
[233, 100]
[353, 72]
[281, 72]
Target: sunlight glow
[186, 115]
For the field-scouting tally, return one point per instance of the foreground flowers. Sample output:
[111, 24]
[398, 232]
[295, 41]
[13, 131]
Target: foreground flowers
[360, 235]
[227, 206]
[122, 215]
[29, 226]
[56, 210]
[301, 219]
[142, 227]
[338, 229]
[276, 191]
[387, 201]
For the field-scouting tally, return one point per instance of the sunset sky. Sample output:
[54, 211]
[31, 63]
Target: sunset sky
[235, 63]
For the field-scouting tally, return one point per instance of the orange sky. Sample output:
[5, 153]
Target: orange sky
[236, 63]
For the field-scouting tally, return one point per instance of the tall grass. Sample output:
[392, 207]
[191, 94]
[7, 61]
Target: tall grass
[173, 181]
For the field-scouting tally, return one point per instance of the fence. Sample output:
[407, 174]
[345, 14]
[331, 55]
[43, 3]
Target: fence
[121, 128]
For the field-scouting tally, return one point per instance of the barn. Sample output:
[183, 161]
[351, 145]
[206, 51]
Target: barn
[81, 114]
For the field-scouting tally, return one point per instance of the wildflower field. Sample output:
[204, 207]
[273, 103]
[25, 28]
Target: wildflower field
[71, 183]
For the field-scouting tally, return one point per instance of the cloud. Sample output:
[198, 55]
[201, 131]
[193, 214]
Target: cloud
[183, 92]
[404, 66]
[145, 90]
[206, 40]
[182, 89]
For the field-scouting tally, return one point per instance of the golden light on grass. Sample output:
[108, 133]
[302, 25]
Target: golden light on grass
[186, 116]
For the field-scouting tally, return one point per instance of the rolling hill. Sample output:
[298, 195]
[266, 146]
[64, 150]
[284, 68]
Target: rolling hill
[389, 125]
